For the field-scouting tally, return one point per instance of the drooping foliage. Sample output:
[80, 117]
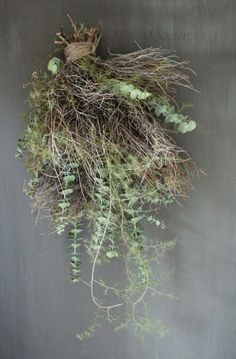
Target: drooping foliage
[98, 149]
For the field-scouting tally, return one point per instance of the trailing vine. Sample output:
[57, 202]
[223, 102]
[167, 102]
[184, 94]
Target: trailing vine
[98, 149]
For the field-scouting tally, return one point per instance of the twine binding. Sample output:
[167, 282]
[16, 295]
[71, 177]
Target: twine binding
[76, 50]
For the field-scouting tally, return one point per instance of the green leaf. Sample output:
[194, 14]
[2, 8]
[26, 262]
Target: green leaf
[129, 211]
[69, 178]
[144, 95]
[191, 125]
[157, 222]
[75, 280]
[72, 165]
[102, 220]
[95, 247]
[187, 126]
[134, 94]
[136, 219]
[67, 191]
[55, 65]
[183, 127]
[112, 254]
[60, 228]
[74, 246]
[173, 118]
[64, 205]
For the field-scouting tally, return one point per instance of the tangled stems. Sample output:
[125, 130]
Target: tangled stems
[99, 151]
[97, 254]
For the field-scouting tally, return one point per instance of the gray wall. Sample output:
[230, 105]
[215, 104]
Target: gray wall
[40, 309]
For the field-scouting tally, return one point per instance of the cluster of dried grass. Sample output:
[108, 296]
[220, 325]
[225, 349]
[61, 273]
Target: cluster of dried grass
[96, 148]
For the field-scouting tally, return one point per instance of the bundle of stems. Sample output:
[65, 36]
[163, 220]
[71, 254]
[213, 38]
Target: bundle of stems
[99, 150]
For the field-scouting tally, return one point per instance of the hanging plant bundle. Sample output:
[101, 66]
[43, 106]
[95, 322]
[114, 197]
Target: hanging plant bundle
[99, 151]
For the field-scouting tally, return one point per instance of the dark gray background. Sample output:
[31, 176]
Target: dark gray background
[40, 309]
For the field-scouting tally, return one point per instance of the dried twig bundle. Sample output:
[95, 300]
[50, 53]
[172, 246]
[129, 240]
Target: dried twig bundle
[98, 148]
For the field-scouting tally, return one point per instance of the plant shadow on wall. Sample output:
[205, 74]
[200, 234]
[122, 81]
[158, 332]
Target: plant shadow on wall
[99, 150]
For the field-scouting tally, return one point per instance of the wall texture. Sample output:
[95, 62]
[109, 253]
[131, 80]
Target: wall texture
[40, 310]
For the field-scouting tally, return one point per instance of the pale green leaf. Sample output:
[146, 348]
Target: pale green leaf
[64, 205]
[111, 254]
[69, 178]
[67, 191]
